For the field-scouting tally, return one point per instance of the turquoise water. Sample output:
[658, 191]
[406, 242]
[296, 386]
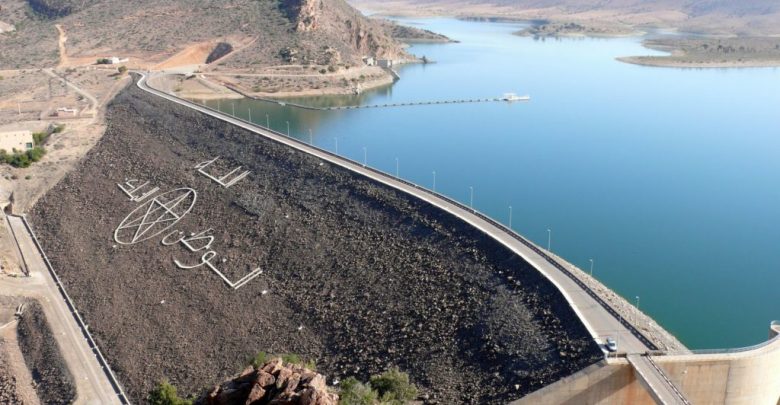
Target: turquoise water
[667, 178]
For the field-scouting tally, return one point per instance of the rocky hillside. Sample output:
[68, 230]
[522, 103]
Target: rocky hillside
[264, 32]
[742, 17]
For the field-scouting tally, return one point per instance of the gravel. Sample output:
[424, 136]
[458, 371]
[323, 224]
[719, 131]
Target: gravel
[52, 379]
[358, 276]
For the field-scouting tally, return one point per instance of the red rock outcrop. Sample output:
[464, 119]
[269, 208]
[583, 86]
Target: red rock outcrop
[274, 383]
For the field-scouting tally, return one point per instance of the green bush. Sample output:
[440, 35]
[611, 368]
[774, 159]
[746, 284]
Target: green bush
[22, 159]
[40, 137]
[389, 388]
[165, 394]
[394, 387]
[353, 392]
[103, 61]
[57, 129]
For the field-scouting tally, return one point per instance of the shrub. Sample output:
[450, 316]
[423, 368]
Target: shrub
[122, 70]
[57, 129]
[40, 137]
[331, 68]
[289, 358]
[394, 387]
[353, 392]
[165, 394]
[103, 61]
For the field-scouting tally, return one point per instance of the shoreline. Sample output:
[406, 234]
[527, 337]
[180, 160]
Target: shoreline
[671, 62]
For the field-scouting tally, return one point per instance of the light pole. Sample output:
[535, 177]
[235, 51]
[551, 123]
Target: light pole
[267, 121]
[365, 156]
[337, 145]
[636, 316]
[234, 108]
[288, 128]
[250, 113]
[396, 168]
[510, 217]
[549, 239]
[591, 267]
[471, 200]
[311, 137]
[434, 180]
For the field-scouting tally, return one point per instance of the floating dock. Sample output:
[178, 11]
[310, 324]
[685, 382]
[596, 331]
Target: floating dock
[506, 98]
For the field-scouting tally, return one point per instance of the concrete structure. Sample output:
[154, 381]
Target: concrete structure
[16, 141]
[369, 61]
[116, 60]
[747, 376]
[385, 63]
[598, 317]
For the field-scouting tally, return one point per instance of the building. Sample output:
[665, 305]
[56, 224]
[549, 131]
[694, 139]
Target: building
[16, 140]
[385, 63]
[116, 60]
[369, 61]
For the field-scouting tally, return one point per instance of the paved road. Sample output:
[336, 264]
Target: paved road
[92, 385]
[598, 318]
[656, 382]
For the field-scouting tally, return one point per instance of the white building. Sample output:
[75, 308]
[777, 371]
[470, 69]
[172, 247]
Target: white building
[16, 140]
[116, 60]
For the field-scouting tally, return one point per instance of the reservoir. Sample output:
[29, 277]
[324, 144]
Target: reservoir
[667, 178]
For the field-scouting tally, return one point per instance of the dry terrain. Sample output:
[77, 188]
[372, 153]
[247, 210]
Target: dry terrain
[747, 30]
[356, 275]
[38, 95]
[703, 52]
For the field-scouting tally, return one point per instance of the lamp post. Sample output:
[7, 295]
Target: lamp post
[250, 113]
[337, 145]
[311, 137]
[234, 108]
[510, 217]
[434, 180]
[288, 128]
[396, 168]
[549, 239]
[636, 317]
[267, 121]
[591, 267]
[365, 156]
[471, 199]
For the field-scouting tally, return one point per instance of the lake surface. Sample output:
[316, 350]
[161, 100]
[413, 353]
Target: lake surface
[668, 178]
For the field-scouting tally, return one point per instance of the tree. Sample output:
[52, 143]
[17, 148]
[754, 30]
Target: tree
[394, 387]
[122, 69]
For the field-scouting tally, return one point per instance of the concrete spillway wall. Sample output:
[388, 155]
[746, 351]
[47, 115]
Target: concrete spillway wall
[748, 377]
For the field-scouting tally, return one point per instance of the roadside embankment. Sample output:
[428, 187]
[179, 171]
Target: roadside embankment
[53, 381]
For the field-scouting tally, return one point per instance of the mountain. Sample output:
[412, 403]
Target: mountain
[740, 17]
[261, 32]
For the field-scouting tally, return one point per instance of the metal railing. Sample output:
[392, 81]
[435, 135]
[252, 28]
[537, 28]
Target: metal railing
[628, 325]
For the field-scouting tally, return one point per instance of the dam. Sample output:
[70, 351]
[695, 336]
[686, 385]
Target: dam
[644, 371]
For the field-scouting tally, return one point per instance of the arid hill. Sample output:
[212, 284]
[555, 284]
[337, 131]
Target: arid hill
[739, 17]
[262, 33]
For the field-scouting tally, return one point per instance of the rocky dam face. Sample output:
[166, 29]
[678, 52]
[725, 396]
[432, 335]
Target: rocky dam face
[325, 263]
